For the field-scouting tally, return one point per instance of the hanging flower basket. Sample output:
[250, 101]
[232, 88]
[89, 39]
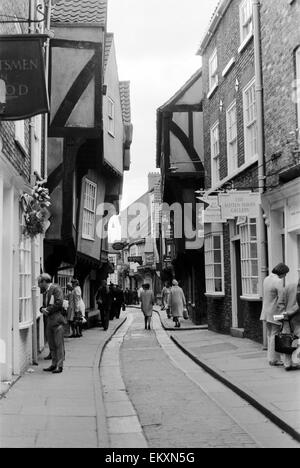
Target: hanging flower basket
[35, 208]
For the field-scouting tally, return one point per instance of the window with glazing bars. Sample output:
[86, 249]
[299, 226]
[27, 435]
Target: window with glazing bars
[89, 209]
[250, 118]
[25, 309]
[232, 142]
[215, 154]
[213, 70]
[246, 19]
[214, 263]
[249, 258]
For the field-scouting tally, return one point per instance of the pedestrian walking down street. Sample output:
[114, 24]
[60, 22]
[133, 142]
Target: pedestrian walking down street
[165, 294]
[177, 303]
[53, 310]
[290, 308]
[119, 302]
[147, 303]
[104, 301]
[78, 309]
[70, 309]
[272, 290]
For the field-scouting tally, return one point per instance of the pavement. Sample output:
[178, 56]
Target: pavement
[73, 409]
[43, 410]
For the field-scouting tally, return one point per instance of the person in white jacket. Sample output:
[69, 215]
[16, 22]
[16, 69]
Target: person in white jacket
[272, 290]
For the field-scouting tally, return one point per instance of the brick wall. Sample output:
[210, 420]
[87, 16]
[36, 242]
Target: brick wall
[227, 40]
[18, 158]
[280, 34]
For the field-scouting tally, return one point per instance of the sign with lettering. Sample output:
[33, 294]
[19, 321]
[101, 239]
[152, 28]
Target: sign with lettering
[238, 204]
[135, 260]
[149, 258]
[22, 77]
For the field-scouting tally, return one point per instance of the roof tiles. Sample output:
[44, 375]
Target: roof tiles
[80, 11]
[125, 101]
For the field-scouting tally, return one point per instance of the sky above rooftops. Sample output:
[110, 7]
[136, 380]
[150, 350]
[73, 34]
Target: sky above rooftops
[156, 45]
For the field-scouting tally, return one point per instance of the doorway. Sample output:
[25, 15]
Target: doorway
[238, 281]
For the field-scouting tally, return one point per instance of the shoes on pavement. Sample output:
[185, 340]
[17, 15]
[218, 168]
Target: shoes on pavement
[276, 364]
[72, 336]
[292, 368]
[49, 369]
[48, 358]
[58, 370]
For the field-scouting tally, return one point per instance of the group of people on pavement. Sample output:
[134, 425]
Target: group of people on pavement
[280, 300]
[58, 313]
[173, 301]
[110, 300]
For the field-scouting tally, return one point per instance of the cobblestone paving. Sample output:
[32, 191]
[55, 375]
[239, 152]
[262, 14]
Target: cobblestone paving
[174, 412]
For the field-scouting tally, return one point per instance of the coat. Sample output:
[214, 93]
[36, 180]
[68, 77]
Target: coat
[165, 296]
[54, 299]
[287, 302]
[76, 304]
[177, 302]
[272, 289]
[147, 303]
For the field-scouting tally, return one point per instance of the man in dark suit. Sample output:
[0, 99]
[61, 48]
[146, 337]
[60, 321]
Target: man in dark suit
[104, 300]
[53, 310]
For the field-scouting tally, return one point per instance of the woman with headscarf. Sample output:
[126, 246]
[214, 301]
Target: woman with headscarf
[78, 309]
[272, 289]
[177, 303]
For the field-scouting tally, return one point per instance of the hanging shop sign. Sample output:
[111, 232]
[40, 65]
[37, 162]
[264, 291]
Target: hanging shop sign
[23, 91]
[238, 204]
[212, 213]
[149, 259]
[135, 260]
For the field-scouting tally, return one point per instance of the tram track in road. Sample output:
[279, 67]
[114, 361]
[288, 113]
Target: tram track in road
[156, 396]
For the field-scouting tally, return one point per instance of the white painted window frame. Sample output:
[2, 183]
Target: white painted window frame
[250, 124]
[25, 286]
[232, 159]
[215, 153]
[248, 260]
[210, 264]
[20, 135]
[213, 71]
[246, 21]
[89, 210]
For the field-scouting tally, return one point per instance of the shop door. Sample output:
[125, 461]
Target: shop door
[240, 304]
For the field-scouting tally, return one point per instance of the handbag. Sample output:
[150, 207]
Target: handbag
[185, 314]
[284, 341]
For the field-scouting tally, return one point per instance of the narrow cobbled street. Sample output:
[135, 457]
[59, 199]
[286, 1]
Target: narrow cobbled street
[157, 397]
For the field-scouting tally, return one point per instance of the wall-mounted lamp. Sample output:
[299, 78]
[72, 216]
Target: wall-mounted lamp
[221, 105]
[237, 85]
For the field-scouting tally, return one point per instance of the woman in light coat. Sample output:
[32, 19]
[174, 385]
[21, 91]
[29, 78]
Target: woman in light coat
[77, 312]
[272, 290]
[290, 308]
[147, 302]
[177, 303]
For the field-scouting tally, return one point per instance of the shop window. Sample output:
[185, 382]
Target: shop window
[232, 141]
[250, 122]
[89, 210]
[214, 264]
[25, 309]
[215, 154]
[249, 258]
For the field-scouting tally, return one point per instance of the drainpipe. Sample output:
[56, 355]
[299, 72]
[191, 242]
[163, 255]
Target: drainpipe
[47, 68]
[261, 156]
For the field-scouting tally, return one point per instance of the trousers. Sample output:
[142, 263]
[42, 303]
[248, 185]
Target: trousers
[272, 331]
[55, 336]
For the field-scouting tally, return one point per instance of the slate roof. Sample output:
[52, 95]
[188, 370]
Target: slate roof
[125, 101]
[80, 11]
